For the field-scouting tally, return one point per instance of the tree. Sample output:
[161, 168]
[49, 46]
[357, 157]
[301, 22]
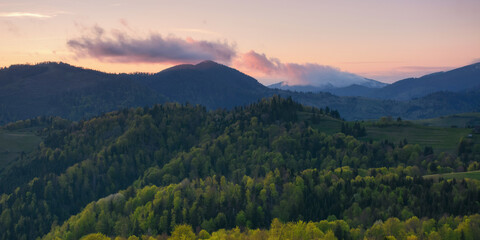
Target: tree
[183, 232]
[95, 236]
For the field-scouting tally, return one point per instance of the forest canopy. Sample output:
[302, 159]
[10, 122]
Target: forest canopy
[254, 172]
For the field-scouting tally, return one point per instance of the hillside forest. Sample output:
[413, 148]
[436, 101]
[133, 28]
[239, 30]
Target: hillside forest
[267, 170]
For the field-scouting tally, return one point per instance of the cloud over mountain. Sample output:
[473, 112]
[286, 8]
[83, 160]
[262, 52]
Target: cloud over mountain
[118, 46]
[296, 74]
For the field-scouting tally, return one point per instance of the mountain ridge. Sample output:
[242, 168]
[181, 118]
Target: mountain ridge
[60, 89]
[456, 80]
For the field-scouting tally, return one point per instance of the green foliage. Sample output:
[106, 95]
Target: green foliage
[145, 171]
[15, 144]
[203, 234]
[466, 227]
[356, 130]
[440, 138]
[95, 236]
[313, 195]
[463, 120]
[183, 232]
[469, 149]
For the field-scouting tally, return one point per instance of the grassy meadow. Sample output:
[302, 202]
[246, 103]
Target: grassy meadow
[462, 120]
[14, 142]
[440, 138]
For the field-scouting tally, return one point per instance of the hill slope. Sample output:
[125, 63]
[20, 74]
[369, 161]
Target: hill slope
[63, 90]
[457, 120]
[456, 80]
[60, 89]
[361, 108]
[143, 171]
[460, 79]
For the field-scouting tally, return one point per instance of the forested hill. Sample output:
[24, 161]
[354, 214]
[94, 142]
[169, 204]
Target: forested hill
[144, 171]
[209, 84]
[59, 89]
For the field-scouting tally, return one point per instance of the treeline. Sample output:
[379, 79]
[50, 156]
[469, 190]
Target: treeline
[356, 130]
[469, 152]
[41, 122]
[215, 203]
[411, 229]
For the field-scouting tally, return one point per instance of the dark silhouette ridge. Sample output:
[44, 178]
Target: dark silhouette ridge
[75, 93]
[456, 80]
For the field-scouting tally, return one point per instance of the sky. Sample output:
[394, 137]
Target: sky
[300, 42]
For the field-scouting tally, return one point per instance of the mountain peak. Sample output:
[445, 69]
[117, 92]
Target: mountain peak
[208, 63]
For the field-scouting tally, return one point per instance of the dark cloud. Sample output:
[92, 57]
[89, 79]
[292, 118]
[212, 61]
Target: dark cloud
[118, 46]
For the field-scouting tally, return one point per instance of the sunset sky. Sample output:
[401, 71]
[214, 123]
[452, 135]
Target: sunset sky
[271, 40]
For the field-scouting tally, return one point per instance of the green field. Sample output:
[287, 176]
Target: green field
[457, 175]
[13, 143]
[329, 126]
[435, 133]
[325, 124]
[458, 120]
[441, 139]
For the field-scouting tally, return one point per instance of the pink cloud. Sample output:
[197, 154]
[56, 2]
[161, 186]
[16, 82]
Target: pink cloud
[294, 73]
[258, 63]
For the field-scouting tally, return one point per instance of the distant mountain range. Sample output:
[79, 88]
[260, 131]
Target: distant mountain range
[75, 93]
[456, 80]
[460, 79]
